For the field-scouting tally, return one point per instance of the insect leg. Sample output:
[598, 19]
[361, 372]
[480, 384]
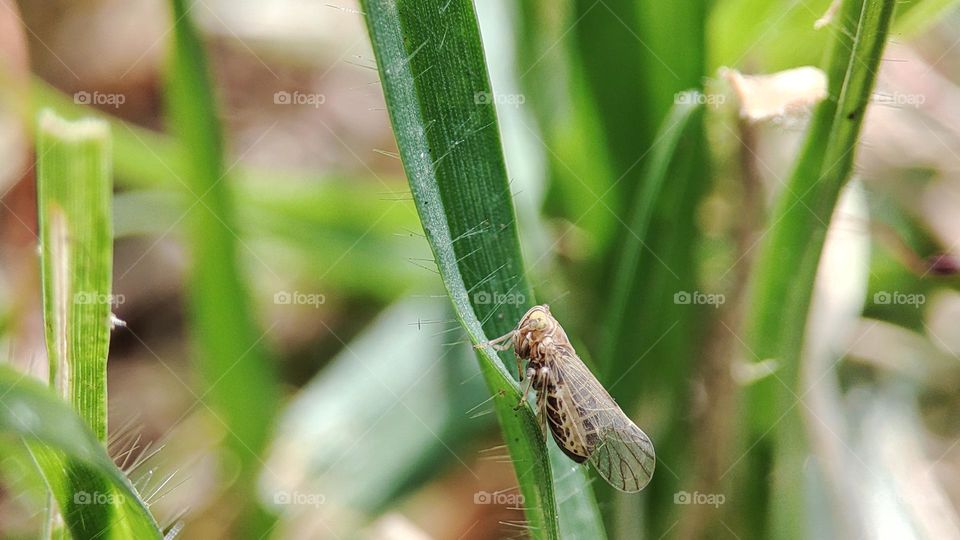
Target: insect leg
[501, 343]
[542, 412]
[526, 388]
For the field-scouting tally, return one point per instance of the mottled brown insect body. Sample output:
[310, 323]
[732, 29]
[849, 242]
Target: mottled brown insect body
[585, 421]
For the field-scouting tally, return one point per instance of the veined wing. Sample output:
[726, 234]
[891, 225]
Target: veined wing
[619, 450]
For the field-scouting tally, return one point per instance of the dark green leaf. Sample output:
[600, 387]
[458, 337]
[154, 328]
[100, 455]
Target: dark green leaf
[94, 496]
[787, 264]
[241, 383]
[438, 95]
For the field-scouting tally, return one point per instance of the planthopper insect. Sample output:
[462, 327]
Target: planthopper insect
[585, 421]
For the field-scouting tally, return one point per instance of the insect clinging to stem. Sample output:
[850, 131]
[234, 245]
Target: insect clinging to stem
[585, 421]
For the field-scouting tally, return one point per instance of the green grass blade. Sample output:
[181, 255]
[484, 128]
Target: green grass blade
[671, 37]
[788, 261]
[614, 62]
[573, 137]
[679, 131]
[435, 81]
[668, 44]
[241, 384]
[318, 216]
[141, 157]
[74, 189]
[678, 154]
[638, 57]
[95, 497]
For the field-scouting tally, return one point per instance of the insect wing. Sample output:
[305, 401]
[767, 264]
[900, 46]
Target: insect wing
[620, 451]
[625, 457]
[565, 419]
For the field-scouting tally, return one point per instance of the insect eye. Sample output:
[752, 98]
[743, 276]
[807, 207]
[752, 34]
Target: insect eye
[538, 321]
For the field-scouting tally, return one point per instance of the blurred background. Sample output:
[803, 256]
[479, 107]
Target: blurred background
[383, 426]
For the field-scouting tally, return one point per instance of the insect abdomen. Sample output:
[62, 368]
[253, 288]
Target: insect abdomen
[563, 430]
